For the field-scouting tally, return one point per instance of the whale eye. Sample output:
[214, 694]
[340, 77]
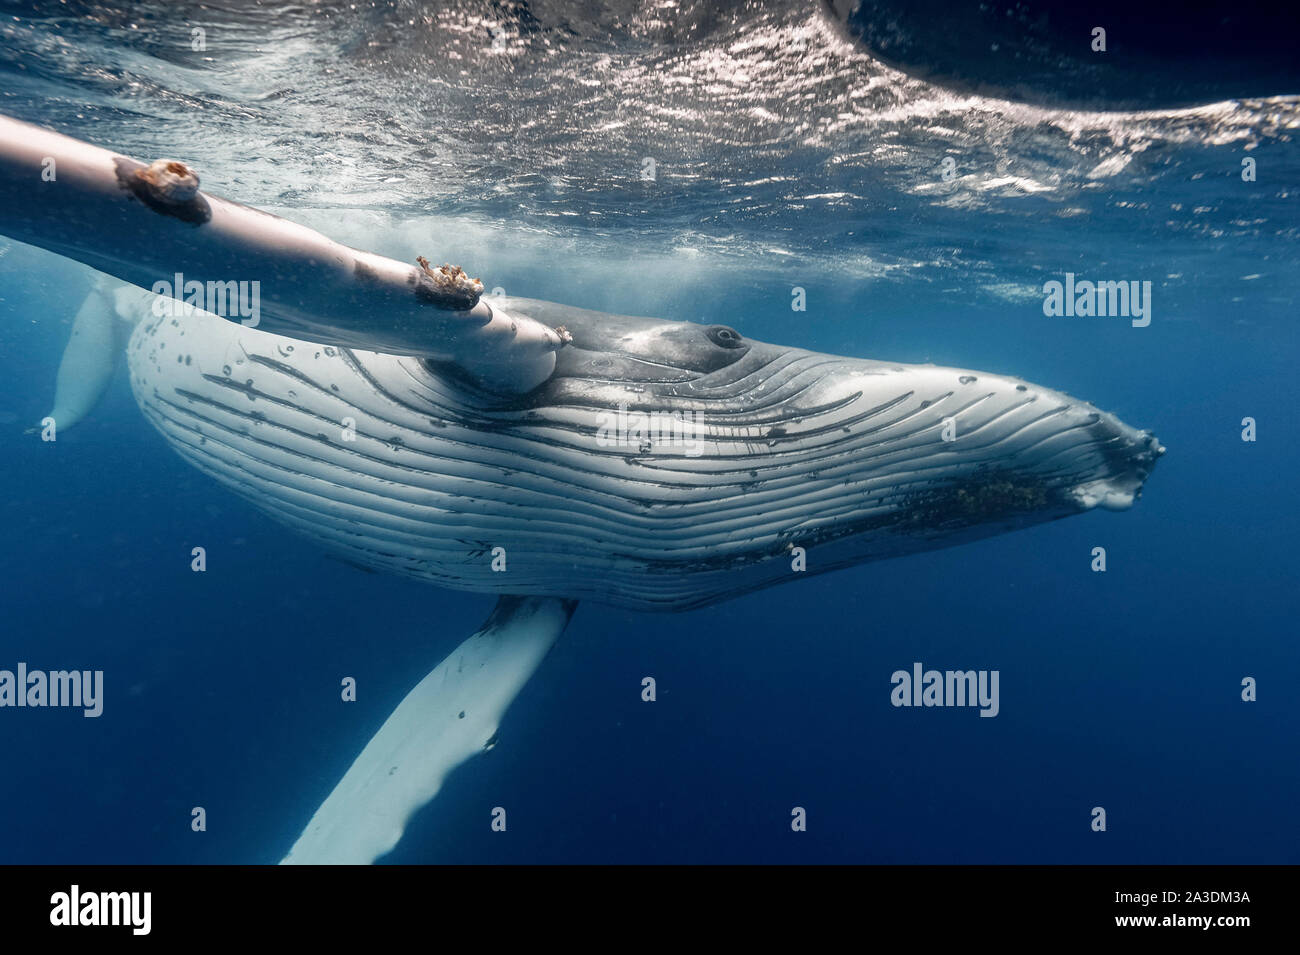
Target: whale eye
[724, 336]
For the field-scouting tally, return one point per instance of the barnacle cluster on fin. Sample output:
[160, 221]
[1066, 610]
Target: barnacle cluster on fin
[169, 180]
[166, 186]
[447, 286]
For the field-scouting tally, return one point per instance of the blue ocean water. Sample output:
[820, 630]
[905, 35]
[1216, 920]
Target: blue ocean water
[785, 157]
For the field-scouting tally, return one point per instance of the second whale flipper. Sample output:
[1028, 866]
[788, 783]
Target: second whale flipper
[451, 714]
[89, 358]
[96, 345]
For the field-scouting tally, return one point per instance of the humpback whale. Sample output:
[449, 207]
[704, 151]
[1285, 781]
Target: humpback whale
[502, 445]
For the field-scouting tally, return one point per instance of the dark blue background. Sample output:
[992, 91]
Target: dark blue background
[1119, 690]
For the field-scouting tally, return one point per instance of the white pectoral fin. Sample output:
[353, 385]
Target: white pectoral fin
[451, 714]
[95, 347]
[147, 224]
[88, 360]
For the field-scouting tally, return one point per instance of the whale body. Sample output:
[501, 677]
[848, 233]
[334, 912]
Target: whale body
[662, 466]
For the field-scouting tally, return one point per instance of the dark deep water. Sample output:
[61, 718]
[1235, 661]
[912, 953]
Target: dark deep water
[818, 169]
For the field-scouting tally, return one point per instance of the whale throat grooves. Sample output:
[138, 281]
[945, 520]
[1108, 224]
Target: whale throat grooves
[663, 465]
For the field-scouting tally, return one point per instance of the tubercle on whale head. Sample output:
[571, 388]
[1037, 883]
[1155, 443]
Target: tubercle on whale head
[1119, 492]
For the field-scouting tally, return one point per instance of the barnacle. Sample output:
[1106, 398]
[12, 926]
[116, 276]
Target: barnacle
[447, 286]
